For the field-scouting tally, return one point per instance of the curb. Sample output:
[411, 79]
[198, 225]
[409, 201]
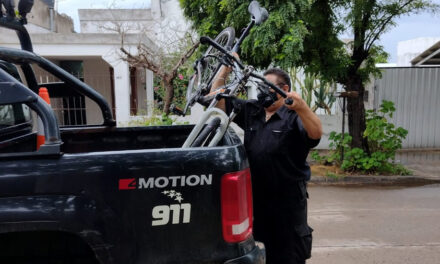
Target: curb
[361, 180]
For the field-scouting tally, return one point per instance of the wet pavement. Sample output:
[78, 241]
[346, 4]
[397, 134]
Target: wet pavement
[375, 225]
[423, 163]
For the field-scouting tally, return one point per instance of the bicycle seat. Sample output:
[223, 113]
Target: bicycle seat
[259, 14]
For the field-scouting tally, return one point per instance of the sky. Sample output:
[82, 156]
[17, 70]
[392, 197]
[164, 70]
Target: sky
[408, 27]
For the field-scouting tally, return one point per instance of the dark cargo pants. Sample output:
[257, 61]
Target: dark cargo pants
[284, 230]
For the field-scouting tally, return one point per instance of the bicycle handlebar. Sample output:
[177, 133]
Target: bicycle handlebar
[288, 101]
[208, 40]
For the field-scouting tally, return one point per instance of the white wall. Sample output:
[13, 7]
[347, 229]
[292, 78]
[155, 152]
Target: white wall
[141, 91]
[97, 75]
[160, 23]
[102, 20]
[409, 49]
[134, 20]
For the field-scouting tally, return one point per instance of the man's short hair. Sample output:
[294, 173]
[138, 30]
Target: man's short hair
[284, 76]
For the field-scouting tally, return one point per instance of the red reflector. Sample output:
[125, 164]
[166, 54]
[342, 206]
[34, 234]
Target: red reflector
[236, 199]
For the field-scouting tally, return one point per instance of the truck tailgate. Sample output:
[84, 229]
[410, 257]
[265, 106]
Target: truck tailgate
[148, 206]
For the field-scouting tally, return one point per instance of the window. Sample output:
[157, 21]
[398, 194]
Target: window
[11, 115]
[16, 133]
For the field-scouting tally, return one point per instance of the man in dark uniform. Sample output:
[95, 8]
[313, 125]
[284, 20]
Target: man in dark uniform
[277, 139]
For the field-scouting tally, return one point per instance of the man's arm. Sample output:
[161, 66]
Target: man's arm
[311, 122]
[219, 81]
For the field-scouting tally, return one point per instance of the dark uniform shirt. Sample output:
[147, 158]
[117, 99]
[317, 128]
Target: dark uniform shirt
[277, 150]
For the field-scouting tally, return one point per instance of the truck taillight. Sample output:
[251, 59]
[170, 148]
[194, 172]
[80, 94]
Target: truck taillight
[236, 199]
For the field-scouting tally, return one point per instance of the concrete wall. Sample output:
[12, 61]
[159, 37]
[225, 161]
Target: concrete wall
[102, 20]
[97, 75]
[133, 20]
[63, 24]
[39, 18]
[161, 23]
[141, 91]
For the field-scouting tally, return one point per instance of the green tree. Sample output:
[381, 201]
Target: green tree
[279, 40]
[306, 33]
[351, 63]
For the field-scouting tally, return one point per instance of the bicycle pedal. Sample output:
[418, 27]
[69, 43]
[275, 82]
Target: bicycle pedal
[177, 110]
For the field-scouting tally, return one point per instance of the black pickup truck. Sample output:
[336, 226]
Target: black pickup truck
[103, 194]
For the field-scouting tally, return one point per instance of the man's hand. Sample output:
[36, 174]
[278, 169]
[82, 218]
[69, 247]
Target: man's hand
[220, 80]
[298, 103]
[224, 71]
[310, 120]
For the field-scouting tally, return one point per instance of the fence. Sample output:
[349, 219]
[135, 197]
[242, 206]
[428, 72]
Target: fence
[79, 110]
[415, 92]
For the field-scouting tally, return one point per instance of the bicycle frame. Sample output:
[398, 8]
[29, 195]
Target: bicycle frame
[212, 110]
[243, 75]
[234, 49]
[219, 133]
[199, 67]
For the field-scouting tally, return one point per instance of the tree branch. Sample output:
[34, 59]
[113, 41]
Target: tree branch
[140, 60]
[184, 58]
[375, 35]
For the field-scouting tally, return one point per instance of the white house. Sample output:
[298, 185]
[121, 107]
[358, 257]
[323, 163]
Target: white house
[410, 49]
[93, 55]
[429, 57]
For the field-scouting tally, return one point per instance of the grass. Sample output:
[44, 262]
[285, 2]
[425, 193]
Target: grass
[331, 172]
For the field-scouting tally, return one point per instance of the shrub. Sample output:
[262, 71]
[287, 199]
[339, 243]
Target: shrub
[384, 139]
[180, 86]
[157, 120]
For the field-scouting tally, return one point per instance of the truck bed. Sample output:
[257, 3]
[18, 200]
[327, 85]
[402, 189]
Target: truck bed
[92, 139]
[117, 190]
[101, 138]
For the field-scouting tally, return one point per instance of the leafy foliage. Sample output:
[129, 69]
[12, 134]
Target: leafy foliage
[324, 97]
[179, 85]
[384, 140]
[351, 62]
[157, 120]
[279, 40]
[364, 21]
[317, 93]
[306, 33]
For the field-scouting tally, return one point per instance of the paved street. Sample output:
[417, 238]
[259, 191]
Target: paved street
[375, 225]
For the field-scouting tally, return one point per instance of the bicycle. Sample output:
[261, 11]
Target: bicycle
[219, 54]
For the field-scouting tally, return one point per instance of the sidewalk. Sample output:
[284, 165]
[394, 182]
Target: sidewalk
[425, 165]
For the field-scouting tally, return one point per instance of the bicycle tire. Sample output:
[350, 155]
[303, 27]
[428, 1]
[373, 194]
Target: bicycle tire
[190, 95]
[208, 68]
[226, 38]
[206, 132]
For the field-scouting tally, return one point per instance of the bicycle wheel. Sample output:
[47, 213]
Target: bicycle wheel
[208, 130]
[210, 61]
[207, 67]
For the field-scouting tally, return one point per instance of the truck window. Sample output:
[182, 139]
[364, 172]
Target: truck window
[16, 133]
[6, 116]
[11, 115]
